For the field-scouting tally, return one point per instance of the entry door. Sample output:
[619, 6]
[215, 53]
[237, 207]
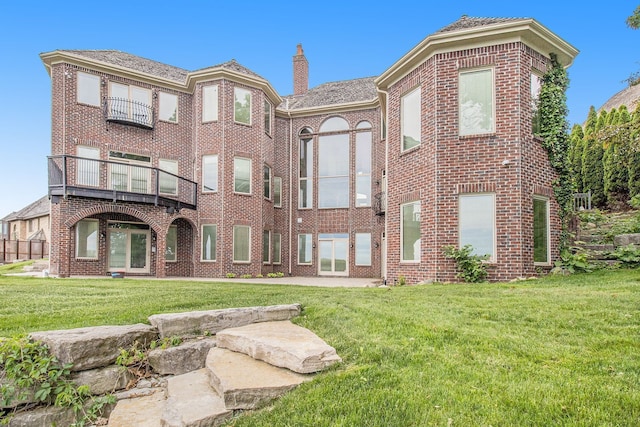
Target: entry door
[333, 254]
[129, 250]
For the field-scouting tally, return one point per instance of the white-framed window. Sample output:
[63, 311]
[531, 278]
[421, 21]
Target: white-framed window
[476, 102]
[241, 243]
[132, 174]
[209, 103]
[210, 173]
[305, 249]
[277, 191]
[305, 189]
[411, 119]
[88, 89]
[209, 242]
[410, 232]
[87, 239]
[171, 251]
[242, 175]
[536, 86]
[333, 164]
[267, 117]
[242, 106]
[266, 177]
[88, 171]
[168, 107]
[541, 231]
[363, 168]
[276, 248]
[363, 248]
[130, 103]
[168, 181]
[477, 223]
[266, 246]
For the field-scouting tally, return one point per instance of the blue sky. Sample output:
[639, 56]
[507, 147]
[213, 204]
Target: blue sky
[341, 39]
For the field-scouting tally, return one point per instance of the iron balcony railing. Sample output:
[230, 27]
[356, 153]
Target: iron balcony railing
[117, 181]
[380, 203]
[126, 111]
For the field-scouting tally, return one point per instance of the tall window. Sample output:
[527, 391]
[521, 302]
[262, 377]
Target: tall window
[88, 89]
[304, 248]
[266, 247]
[209, 239]
[411, 119]
[242, 106]
[333, 165]
[476, 102]
[477, 223]
[88, 171]
[210, 173]
[87, 239]
[168, 181]
[210, 103]
[536, 86]
[363, 248]
[241, 243]
[267, 117]
[168, 110]
[171, 251]
[277, 191]
[363, 166]
[410, 232]
[276, 248]
[266, 177]
[138, 106]
[305, 196]
[132, 174]
[541, 236]
[242, 175]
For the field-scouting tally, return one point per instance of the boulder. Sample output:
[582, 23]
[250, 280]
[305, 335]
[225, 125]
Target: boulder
[103, 380]
[188, 356]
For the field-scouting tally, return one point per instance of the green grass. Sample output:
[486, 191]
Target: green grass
[15, 267]
[559, 351]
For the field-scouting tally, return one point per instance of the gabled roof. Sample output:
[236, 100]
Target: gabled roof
[39, 208]
[232, 65]
[466, 22]
[333, 93]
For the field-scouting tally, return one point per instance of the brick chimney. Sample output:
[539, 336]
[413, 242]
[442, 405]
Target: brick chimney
[300, 73]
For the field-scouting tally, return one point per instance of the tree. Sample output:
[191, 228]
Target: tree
[633, 21]
[575, 155]
[615, 141]
[634, 158]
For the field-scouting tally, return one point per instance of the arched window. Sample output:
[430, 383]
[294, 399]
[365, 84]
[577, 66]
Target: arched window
[305, 175]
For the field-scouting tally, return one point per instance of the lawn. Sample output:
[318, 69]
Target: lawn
[558, 351]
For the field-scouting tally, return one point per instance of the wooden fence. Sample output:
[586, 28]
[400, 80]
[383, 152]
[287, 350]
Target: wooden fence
[11, 250]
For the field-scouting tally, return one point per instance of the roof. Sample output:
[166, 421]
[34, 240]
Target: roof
[39, 208]
[332, 93]
[629, 96]
[232, 65]
[466, 22]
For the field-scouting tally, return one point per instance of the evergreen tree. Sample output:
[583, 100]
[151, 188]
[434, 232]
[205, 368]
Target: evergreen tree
[575, 156]
[615, 140]
[592, 171]
[634, 156]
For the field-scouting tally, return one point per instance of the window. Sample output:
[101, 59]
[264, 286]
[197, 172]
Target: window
[476, 102]
[276, 248]
[266, 176]
[477, 223]
[127, 176]
[541, 236]
[209, 239]
[267, 117]
[305, 196]
[333, 165]
[536, 86]
[277, 191]
[363, 248]
[266, 247]
[242, 175]
[242, 106]
[130, 103]
[241, 243]
[168, 181]
[88, 173]
[304, 248]
[87, 239]
[363, 169]
[88, 89]
[411, 119]
[168, 107]
[210, 103]
[171, 252]
[410, 232]
[210, 173]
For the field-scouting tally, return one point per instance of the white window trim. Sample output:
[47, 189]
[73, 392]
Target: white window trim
[172, 177]
[268, 261]
[494, 256]
[267, 106]
[206, 92]
[88, 78]
[370, 249]
[493, 98]
[174, 227]
[298, 252]
[413, 261]
[204, 189]
[279, 249]
[548, 207]
[215, 252]
[250, 106]
[277, 179]
[270, 185]
[233, 245]
[97, 239]
[250, 175]
[162, 95]
[402, 111]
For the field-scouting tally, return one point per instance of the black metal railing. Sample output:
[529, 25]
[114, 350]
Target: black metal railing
[126, 111]
[380, 203]
[106, 179]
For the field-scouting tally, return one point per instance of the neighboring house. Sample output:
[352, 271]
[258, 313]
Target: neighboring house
[160, 171]
[29, 223]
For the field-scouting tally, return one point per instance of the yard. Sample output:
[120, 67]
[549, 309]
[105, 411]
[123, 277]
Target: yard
[554, 351]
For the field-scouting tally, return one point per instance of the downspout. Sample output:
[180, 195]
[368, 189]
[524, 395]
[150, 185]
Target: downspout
[221, 165]
[386, 170]
[290, 187]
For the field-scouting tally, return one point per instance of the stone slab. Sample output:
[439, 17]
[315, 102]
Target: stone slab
[186, 357]
[103, 380]
[141, 411]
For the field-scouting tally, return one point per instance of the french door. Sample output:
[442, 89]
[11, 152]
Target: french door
[129, 246]
[333, 254]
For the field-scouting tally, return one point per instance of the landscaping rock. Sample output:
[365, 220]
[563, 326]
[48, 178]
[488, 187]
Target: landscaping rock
[188, 356]
[138, 411]
[627, 239]
[103, 380]
[43, 417]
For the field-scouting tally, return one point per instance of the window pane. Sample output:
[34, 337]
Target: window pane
[209, 239]
[266, 249]
[540, 230]
[276, 253]
[305, 196]
[267, 117]
[210, 173]
[87, 239]
[88, 170]
[277, 191]
[242, 175]
[304, 249]
[168, 107]
[209, 103]
[333, 171]
[363, 248]
[363, 169]
[476, 102]
[411, 119]
[241, 243]
[172, 244]
[168, 183]
[242, 106]
[410, 232]
[334, 124]
[267, 182]
[477, 223]
[333, 192]
[88, 89]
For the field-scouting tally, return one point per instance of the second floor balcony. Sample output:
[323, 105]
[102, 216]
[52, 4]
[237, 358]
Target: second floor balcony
[117, 181]
[128, 112]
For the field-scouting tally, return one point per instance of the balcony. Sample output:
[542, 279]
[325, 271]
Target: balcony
[380, 203]
[128, 112]
[117, 181]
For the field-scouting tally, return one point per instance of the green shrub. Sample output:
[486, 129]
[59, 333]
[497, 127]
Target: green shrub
[470, 267]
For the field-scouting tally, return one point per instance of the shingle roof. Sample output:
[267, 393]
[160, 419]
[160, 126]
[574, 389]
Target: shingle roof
[471, 22]
[629, 96]
[36, 209]
[341, 92]
[233, 65]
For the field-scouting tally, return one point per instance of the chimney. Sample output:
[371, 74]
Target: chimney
[300, 73]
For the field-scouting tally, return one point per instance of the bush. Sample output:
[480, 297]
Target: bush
[471, 268]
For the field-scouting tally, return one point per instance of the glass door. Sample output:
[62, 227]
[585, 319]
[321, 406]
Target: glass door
[333, 254]
[129, 247]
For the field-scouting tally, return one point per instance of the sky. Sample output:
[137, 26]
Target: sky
[342, 40]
